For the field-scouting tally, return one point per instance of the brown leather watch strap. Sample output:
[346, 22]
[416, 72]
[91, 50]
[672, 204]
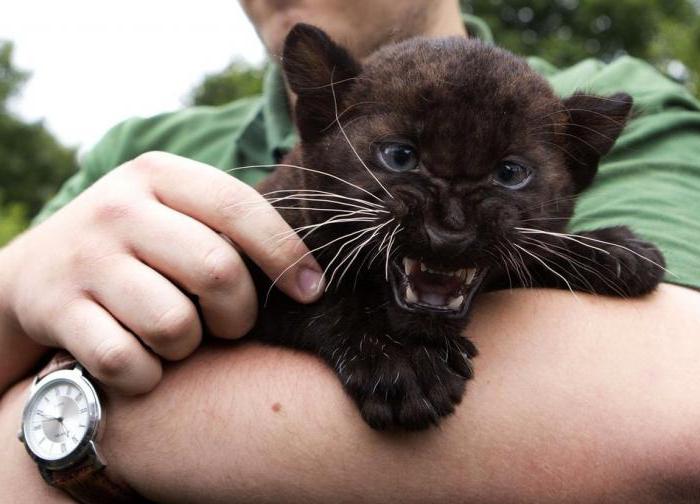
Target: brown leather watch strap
[89, 483]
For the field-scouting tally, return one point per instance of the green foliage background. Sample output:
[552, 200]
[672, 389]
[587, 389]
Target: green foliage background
[665, 32]
[33, 163]
[237, 80]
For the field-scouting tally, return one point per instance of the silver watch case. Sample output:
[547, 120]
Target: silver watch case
[87, 446]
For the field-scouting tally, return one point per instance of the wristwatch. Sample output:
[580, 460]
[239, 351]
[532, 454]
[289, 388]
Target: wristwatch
[61, 425]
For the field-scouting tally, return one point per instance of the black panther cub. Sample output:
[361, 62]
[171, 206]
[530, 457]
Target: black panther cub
[432, 170]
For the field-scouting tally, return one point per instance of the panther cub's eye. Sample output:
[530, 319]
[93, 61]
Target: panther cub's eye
[398, 157]
[511, 175]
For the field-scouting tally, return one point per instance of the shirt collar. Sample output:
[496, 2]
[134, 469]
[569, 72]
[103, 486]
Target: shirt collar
[279, 128]
[477, 28]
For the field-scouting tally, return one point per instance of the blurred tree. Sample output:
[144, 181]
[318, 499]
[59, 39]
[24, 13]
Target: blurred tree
[665, 32]
[13, 220]
[237, 80]
[10, 77]
[33, 164]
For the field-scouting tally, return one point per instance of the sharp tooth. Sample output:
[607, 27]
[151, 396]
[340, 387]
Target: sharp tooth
[408, 265]
[461, 274]
[471, 273]
[423, 267]
[456, 303]
[410, 295]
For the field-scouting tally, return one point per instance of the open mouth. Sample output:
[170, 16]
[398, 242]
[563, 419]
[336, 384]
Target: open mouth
[420, 286]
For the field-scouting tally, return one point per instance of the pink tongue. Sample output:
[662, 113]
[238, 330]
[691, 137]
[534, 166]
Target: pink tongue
[434, 289]
[430, 298]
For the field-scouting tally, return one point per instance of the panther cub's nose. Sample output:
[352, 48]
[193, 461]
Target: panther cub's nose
[447, 243]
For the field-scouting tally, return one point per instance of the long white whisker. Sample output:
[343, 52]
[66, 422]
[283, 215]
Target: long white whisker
[356, 251]
[561, 235]
[276, 279]
[315, 209]
[506, 261]
[379, 249]
[342, 130]
[367, 256]
[339, 212]
[595, 240]
[527, 269]
[388, 250]
[308, 233]
[340, 249]
[313, 227]
[325, 200]
[574, 263]
[303, 168]
[336, 219]
[521, 268]
[274, 201]
[262, 205]
[534, 256]
[325, 193]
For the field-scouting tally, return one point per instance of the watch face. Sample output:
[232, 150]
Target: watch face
[57, 419]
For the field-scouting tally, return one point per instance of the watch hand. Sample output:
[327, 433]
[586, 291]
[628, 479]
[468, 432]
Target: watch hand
[65, 431]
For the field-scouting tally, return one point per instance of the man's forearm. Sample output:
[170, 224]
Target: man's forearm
[572, 401]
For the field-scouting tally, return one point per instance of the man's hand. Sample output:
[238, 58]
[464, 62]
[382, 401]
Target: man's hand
[104, 277]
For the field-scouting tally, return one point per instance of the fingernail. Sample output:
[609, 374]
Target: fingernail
[310, 281]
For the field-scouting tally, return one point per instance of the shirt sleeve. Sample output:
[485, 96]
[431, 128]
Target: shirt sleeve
[213, 135]
[111, 151]
[650, 181]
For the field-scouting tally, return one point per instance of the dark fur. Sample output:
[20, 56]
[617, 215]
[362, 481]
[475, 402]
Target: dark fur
[466, 106]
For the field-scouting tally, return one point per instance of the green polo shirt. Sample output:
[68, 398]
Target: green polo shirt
[650, 181]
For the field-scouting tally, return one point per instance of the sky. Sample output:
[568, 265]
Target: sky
[96, 63]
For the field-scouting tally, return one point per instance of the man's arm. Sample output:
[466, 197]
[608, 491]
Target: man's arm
[575, 399]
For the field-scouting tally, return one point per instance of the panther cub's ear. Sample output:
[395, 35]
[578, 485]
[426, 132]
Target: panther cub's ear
[311, 62]
[594, 124]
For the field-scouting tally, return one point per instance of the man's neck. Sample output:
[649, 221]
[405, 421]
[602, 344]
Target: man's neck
[445, 21]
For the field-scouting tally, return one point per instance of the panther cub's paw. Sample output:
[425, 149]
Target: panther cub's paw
[632, 266]
[410, 388]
